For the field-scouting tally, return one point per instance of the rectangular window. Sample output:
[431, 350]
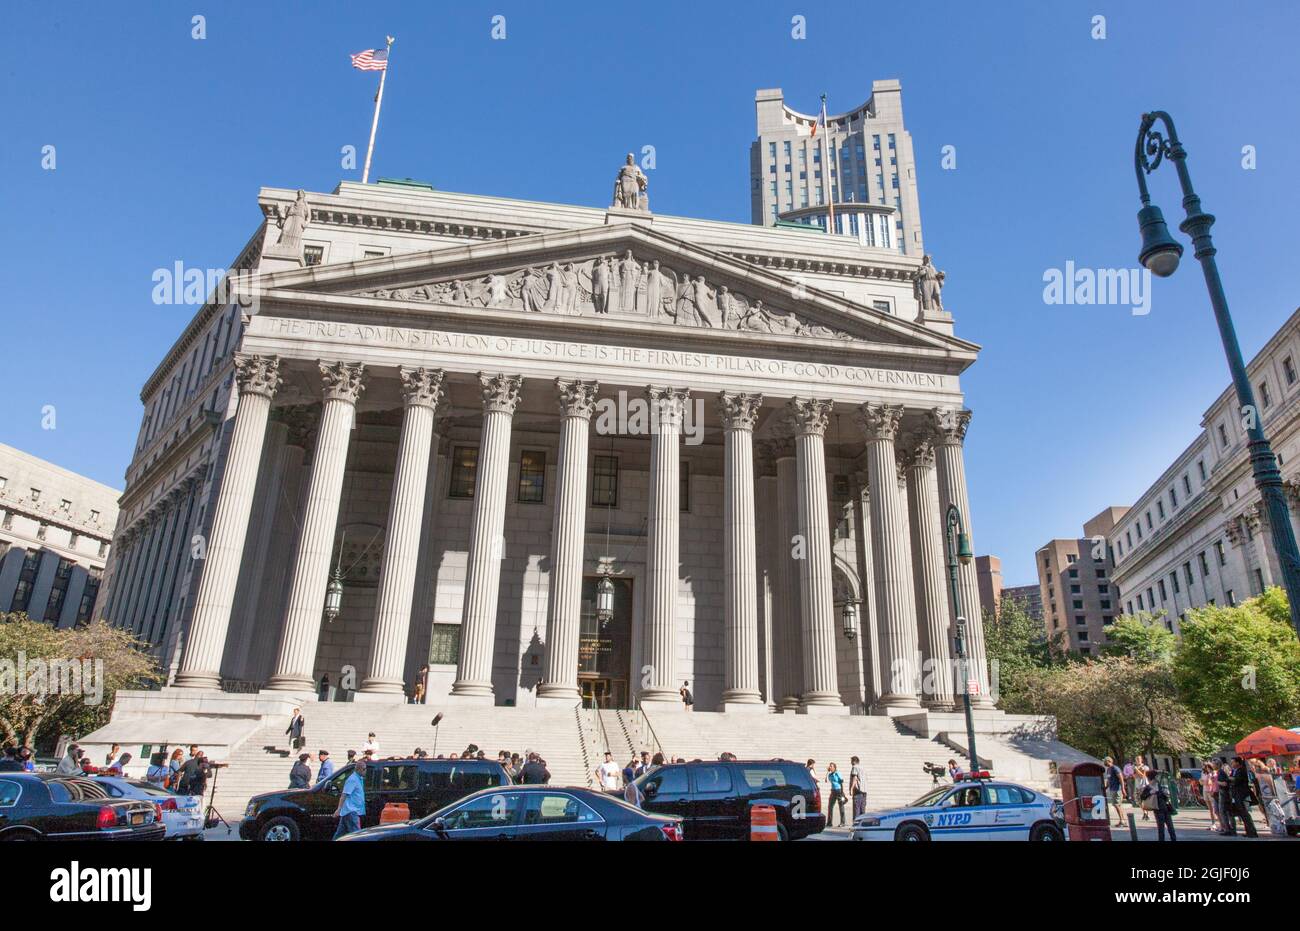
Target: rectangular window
[1187, 486]
[1173, 498]
[1075, 590]
[1232, 599]
[1164, 595]
[532, 476]
[1264, 394]
[604, 481]
[684, 485]
[313, 255]
[1078, 604]
[1223, 436]
[1200, 467]
[464, 469]
[1205, 565]
[444, 645]
[1288, 369]
[1160, 509]
[1218, 551]
[1173, 580]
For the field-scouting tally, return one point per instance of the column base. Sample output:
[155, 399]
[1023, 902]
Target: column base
[896, 704]
[942, 705]
[788, 705]
[662, 700]
[290, 684]
[197, 680]
[741, 697]
[558, 701]
[375, 697]
[743, 707]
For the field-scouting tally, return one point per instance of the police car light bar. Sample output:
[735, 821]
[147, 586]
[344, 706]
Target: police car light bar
[977, 774]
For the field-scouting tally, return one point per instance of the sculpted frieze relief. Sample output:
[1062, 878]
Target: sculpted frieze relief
[614, 285]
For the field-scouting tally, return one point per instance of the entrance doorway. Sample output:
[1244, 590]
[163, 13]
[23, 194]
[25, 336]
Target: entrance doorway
[605, 651]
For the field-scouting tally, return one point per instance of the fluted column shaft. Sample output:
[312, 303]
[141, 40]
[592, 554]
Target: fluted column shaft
[931, 576]
[951, 427]
[662, 544]
[788, 619]
[868, 612]
[487, 540]
[421, 391]
[577, 400]
[820, 674]
[257, 377]
[295, 664]
[274, 594]
[739, 559]
[892, 558]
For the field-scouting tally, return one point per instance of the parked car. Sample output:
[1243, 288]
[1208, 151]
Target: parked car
[44, 806]
[531, 813]
[423, 785]
[713, 798]
[976, 807]
[182, 815]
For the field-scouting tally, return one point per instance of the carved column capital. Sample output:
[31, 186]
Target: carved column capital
[501, 392]
[576, 398]
[950, 424]
[421, 387]
[739, 411]
[668, 404]
[257, 374]
[917, 451]
[343, 380]
[810, 416]
[879, 421]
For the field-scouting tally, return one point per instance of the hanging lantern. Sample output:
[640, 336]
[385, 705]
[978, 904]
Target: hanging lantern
[849, 619]
[604, 600]
[333, 596]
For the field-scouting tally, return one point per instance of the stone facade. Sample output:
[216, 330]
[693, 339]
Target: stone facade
[468, 410]
[55, 528]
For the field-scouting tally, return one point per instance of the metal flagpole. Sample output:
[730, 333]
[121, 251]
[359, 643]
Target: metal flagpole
[826, 169]
[379, 102]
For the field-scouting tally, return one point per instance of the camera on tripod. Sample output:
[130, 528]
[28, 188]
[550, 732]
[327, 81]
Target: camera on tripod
[934, 771]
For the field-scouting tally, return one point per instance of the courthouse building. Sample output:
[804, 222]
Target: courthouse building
[443, 426]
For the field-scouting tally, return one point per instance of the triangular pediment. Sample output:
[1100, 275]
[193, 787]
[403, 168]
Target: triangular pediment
[619, 272]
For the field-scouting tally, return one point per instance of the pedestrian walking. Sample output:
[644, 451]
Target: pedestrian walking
[326, 770]
[608, 773]
[1240, 798]
[1114, 777]
[687, 698]
[1154, 797]
[1210, 792]
[1139, 784]
[857, 788]
[297, 723]
[300, 774]
[352, 801]
[837, 794]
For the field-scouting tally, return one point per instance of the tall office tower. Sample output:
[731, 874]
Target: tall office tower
[861, 165]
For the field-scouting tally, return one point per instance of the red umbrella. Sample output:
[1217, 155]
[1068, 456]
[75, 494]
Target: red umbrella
[1269, 741]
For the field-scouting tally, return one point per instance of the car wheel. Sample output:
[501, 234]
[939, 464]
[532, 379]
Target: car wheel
[913, 833]
[279, 829]
[782, 834]
[1045, 832]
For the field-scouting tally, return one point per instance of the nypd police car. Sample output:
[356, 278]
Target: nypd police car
[976, 807]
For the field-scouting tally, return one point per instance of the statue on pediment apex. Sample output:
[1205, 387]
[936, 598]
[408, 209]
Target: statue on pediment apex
[630, 187]
[292, 223]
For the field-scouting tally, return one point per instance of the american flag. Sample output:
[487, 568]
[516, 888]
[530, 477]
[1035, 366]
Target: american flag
[372, 59]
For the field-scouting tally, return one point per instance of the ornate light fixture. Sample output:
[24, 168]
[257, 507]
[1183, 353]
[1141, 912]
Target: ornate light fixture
[604, 599]
[334, 596]
[849, 620]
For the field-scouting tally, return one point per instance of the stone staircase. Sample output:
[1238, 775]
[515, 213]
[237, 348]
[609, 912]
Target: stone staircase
[262, 762]
[891, 755]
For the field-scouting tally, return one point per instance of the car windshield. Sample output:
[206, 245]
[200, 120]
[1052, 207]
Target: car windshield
[930, 798]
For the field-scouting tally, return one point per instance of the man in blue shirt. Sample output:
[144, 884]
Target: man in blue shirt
[352, 801]
[326, 767]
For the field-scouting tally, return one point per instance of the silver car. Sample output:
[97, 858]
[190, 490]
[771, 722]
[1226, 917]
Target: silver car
[182, 815]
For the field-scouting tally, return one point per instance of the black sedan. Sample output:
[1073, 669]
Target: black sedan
[43, 806]
[532, 813]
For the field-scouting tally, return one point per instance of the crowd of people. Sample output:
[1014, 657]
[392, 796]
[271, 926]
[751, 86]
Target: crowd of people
[179, 772]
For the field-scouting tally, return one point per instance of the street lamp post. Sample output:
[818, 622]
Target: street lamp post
[1160, 254]
[958, 544]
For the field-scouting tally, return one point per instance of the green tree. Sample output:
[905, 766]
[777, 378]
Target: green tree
[1239, 667]
[56, 681]
[1142, 636]
[1016, 646]
[1116, 706]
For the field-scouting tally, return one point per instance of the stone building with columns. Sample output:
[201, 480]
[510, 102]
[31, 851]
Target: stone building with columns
[430, 425]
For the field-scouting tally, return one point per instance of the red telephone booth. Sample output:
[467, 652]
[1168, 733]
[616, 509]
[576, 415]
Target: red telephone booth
[1083, 792]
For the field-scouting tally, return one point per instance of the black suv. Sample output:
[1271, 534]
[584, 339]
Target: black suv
[44, 806]
[423, 785]
[713, 798]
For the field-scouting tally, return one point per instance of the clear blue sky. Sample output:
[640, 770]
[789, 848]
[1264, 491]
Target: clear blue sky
[162, 142]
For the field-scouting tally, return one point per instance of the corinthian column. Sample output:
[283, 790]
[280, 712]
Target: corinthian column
[821, 682]
[421, 391]
[930, 573]
[788, 637]
[258, 378]
[667, 407]
[478, 623]
[891, 554]
[950, 425]
[295, 665]
[739, 560]
[577, 400]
